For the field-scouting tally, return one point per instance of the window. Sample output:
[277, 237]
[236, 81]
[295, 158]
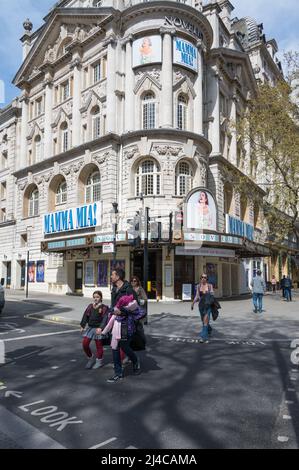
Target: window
[38, 148]
[38, 107]
[148, 179]
[3, 215]
[61, 193]
[33, 203]
[97, 72]
[93, 188]
[64, 137]
[148, 111]
[4, 160]
[65, 91]
[183, 179]
[3, 190]
[96, 123]
[182, 112]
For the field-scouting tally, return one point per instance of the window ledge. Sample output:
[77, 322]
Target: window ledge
[135, 198]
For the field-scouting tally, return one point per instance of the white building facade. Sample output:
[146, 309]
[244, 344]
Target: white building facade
[120, 99]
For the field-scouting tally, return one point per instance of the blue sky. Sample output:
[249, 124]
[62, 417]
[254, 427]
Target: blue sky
[280, 19]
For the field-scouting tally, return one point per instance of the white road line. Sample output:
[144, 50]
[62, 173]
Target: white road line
[282, 438]
[40, 336]
[55, 367]
[10, 318]
[289, 402]
[30, 376]
[103, 443]
[291, 390]
[294, 379]
[287, 417]
[131, 447]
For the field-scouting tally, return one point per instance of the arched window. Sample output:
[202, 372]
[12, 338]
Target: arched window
[33, 203]
[183, 179]
[93, 188]
[96, 122]
[182, 108]
[64, 137]
[61, 194]
[148, 111]
[148, 179]
[38, 148]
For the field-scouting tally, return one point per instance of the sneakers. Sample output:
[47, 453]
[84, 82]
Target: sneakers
[137, 368]
[99, 363]
[90, 363]
[125, 361]
[114, 379]
[201, 340]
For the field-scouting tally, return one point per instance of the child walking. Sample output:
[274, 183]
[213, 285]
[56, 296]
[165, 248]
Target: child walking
[96, 317]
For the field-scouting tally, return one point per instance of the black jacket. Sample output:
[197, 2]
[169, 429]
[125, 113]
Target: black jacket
[126, 289]
[95, 318]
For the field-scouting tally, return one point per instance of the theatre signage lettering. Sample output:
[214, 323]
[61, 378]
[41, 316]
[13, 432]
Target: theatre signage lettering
[183, 24]
[238, 227]
[69, 220]
[185, 54]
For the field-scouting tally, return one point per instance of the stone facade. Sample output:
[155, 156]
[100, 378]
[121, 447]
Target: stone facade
[99, 100]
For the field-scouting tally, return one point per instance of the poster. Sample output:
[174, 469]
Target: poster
[147, 50]
[185, 54]
[31, 271]
[117, 264]
[103, 274]
[40, 271]
[212, 273]
[201, 211]
[89, 273]
[168, 276]
[187, 292]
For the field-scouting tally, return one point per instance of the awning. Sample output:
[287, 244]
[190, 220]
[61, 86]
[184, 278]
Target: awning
[251, 249]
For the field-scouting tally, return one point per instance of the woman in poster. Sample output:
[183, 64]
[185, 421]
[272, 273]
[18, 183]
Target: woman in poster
[31, 272]
[205, 216]
[146, 51]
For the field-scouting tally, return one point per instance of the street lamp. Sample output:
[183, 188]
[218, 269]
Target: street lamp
[115, 224]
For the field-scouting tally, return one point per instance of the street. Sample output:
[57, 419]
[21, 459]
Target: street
[239, 391]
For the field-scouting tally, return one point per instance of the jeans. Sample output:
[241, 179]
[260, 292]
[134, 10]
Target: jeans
[204, 334]
[288, 293]
[258, 301]
[125, 346]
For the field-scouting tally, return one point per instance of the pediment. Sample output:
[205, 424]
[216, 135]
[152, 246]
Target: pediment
[56, 39]
[186, 86]
[62, 115]
[35, 129]
[148, 82]
[91, 100]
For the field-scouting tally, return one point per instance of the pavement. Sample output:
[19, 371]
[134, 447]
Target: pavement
[239, 391]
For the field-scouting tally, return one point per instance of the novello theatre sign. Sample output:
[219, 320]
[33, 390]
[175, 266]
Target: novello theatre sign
[183, 24]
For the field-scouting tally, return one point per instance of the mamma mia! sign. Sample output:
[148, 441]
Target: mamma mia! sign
[77, 218]
[184, 53]
[238, 227]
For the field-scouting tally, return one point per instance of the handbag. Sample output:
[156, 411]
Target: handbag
[138, 340]
[106, 339]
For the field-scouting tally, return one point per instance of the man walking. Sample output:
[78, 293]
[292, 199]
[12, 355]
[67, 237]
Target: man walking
[288, 289]
[282, 286]
[258, 289]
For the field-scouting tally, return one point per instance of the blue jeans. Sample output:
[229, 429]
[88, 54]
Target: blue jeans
[125, 346]
[258, 301]
[288, 293]
[204, 334]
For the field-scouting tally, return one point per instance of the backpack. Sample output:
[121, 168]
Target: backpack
[138, 341]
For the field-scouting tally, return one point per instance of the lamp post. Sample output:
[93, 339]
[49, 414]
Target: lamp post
[115, 224]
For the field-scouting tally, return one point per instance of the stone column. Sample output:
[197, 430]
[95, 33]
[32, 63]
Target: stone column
[76, 130]
[166, 109]
[198, 101]
[233, 119]
[214, 129]
[24, 130]
[48, 117]
[111, 85]
[129, 123]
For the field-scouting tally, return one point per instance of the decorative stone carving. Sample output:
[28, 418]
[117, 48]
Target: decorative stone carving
[168, 150]
[203, 170]
[129, 154]
[22, 186]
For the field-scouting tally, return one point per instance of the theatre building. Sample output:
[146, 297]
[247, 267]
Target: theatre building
[124, 106]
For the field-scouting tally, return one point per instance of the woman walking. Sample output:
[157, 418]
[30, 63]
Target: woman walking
[204, 296]
[141, 295]
[96, 317]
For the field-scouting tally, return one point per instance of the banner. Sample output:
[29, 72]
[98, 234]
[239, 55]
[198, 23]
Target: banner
[147, 50]
[31, 271]
[40, 271]
[185, 54]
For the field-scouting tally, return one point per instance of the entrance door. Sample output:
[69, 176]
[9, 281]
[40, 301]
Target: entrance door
[23, 273]
[154, 271]
[8, 275]
[78, 277]
[183, 274]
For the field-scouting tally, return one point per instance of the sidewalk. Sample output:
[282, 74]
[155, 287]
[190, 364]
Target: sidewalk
[69, 309]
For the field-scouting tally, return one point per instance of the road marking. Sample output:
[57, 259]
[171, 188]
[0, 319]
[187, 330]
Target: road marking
[282, 438]
[9, 318]
[131, 447]
[294, 379]
[291, 390]
[40, 336]
[30, 376]
[11, 393]
[55, 367]
[103, 443]
[2, 387]
[2, 352]
[287, 417]
[289, 402]
[73, 360]
[294, 370]
[61, 419]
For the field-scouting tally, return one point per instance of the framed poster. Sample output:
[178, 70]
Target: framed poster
[40, 271]
[147, 50]
[102, 274]
[31, 271]
[212, 273]
[168, 276]
[89, 273]
[185, 54]
[201, 211]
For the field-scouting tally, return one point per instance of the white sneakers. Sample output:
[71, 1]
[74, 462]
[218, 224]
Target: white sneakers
[94, 363]
[99, 363]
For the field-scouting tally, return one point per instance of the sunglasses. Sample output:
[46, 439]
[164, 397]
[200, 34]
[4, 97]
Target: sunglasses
[204, 277]
[134, 280]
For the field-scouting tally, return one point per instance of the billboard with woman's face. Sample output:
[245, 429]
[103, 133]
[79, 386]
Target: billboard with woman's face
[147, 50]
[201, 211]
